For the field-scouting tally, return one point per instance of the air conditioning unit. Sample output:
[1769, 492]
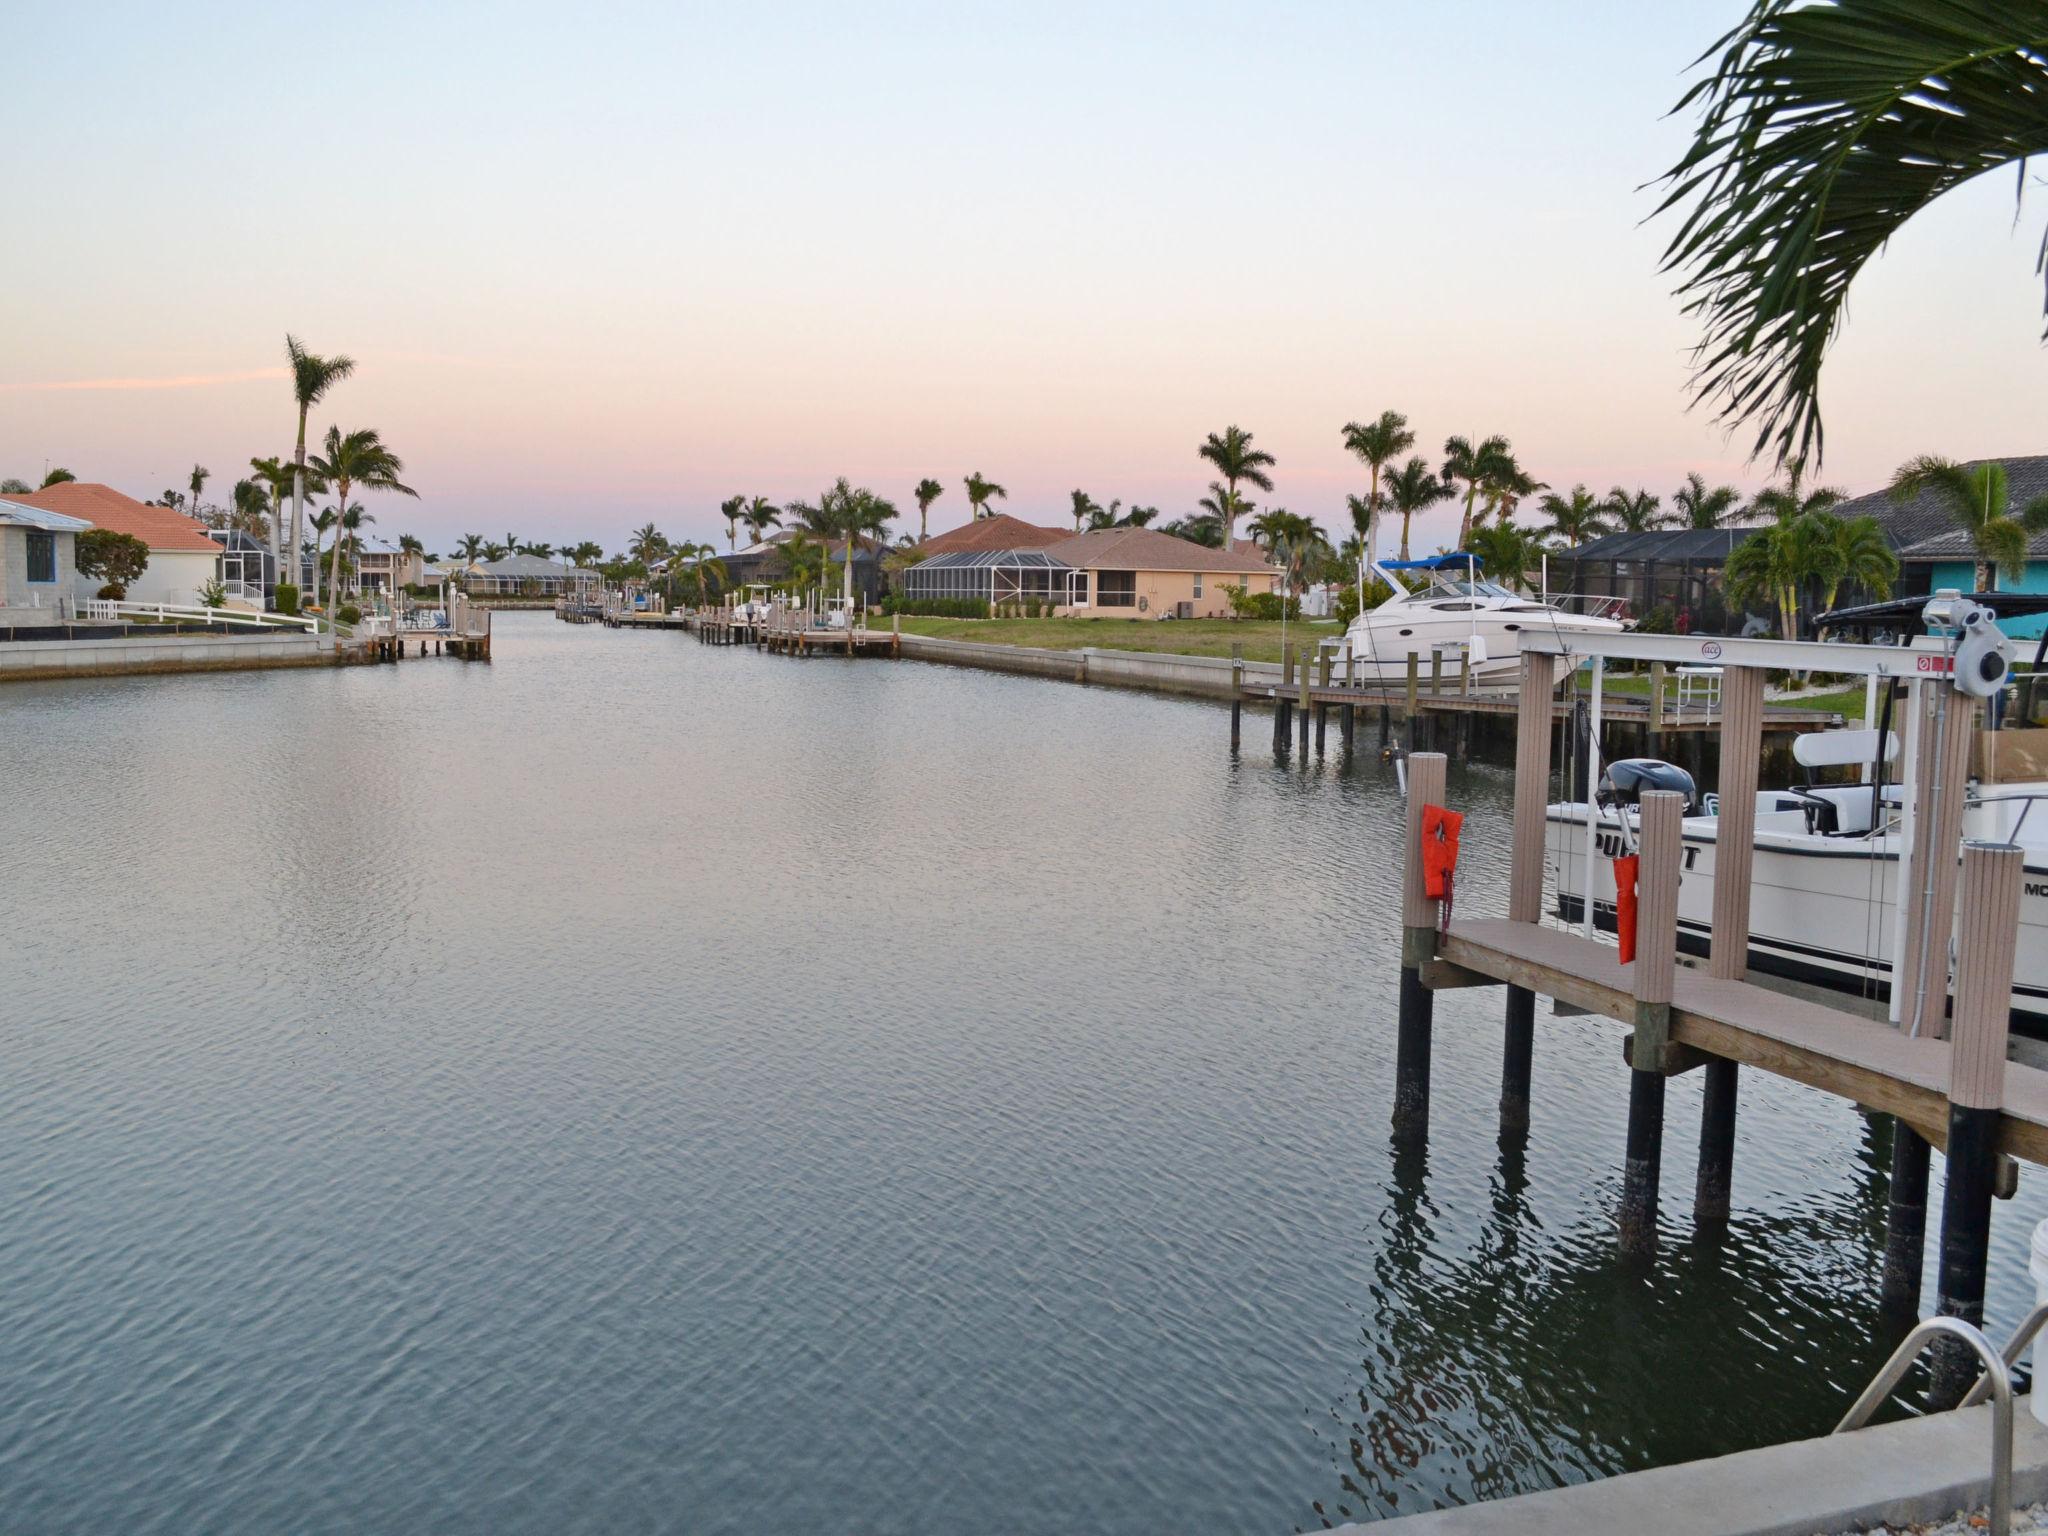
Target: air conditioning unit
[1184, 610]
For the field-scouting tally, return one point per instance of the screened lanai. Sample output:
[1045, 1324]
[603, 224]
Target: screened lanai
[995, 576]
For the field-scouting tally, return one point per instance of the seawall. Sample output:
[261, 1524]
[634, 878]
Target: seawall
[27, 660]
[1157, 671]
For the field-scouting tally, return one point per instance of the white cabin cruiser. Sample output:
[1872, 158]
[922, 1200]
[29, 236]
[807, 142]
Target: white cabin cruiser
[1444, 604]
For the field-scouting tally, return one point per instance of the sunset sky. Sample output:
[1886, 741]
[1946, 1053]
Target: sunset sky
[607, 264]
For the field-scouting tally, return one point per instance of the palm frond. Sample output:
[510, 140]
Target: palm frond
[1824, 128]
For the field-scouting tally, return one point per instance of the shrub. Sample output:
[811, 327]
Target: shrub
[1660, 620]
[114, 590]
[1346, 609]
[120, 557]
[349, 613]
[287, 598]
[1261, 605]
[214, 594]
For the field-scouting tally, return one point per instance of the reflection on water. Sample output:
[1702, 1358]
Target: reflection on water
[638, 1086]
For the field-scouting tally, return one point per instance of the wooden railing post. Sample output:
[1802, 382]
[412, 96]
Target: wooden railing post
[1525, 872]
[1742, 725]
[1418, 947]
[1987, 937]
[1650, 981]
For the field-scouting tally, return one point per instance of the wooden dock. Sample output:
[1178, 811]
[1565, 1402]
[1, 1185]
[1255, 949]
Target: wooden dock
[1943, 1074]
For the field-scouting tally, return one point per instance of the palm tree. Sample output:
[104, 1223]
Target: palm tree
[1084, 508]
[730, 510]
[494, 551]
[647, 545]
[1574, 518]
[360, 460]
[588, 553]
[470, 546]
[1508, 552]
[545, 551]
[312, 377]
[1295, 543]
[1772, 564]
[1505, 489]
[1634, 511]
[1203, 528]
[1140, 517]
[1226, 507]
[1377, 443]
[805, 559]
[200, 475]
[409, 544]
[1411, 489]
[979, 491]
[844, 512]
[322, 520]
[58, 476]
[1695, 506]
[1852, 550]
[1789, 502]
[1823, 129]
[1477, 465]
[760, 514]
[249, 509]
[276, 475]
[1236, 459]
[927, 492]
[1978, 499]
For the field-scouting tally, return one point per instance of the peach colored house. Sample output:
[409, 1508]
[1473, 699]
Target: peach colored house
[1141, 573]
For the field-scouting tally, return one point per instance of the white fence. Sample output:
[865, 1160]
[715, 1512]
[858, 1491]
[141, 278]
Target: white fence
[110, 610]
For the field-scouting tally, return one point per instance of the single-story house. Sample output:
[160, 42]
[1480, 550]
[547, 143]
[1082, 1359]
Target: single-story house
[183, 557]
[1110, 573]
[522, 576]
[38, 564]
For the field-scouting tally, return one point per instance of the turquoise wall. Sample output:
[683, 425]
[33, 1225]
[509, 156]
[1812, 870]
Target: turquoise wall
[1961, 575]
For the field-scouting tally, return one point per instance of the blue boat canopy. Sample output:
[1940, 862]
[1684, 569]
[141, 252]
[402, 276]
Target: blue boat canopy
[1456, 560]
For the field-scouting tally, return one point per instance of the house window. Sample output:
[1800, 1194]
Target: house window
[42, 556]
[1198, 583]
[1116, 589]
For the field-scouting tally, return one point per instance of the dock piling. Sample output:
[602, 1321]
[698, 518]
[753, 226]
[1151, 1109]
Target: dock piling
[1525, 873]
[1236, 694]
[1742, 729]
[1987, 936]
[1650, 976]
[1418, 947]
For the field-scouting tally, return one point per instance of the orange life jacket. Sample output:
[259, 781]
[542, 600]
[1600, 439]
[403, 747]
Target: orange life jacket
[1439, 850]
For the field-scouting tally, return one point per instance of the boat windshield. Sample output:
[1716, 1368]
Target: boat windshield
[1443, 585]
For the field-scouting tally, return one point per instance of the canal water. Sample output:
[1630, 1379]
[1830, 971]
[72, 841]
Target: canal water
[635, 1086]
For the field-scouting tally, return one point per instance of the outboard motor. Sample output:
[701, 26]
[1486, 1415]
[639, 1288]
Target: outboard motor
[1625, 781]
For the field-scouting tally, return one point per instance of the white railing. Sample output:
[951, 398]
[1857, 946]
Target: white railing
[111, 610]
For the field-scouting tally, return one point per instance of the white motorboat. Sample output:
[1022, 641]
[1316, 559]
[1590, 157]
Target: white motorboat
[1824, 888]
[1443, 605]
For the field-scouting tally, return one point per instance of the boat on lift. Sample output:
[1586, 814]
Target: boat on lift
[1444, 604]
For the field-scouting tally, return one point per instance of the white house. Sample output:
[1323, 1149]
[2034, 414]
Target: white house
[182, 557]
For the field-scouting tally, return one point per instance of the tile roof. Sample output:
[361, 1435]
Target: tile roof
[1147, 549]
[1001, 531]
[161, 528]
[1922, 520]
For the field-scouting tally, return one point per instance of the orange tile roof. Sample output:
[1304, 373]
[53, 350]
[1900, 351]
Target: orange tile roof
[104, 507]
[1001, 531]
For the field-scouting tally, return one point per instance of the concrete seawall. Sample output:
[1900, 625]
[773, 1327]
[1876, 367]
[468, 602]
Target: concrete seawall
[26, 660]
[1205, 677]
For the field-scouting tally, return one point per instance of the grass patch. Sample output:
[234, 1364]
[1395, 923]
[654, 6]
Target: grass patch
[1182, 637]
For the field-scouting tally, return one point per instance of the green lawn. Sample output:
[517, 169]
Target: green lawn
[1186, 637]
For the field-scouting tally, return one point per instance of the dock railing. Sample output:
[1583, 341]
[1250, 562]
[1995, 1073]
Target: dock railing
[1946, 1081]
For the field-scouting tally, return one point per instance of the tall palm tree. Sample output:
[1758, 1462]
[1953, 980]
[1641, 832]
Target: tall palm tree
[1377, 443]
[1236, 460]
[200, 475]
[927, 492]
[1978, 499]
[1694, 505]
[1508, 551]
[1414, 488]
[312, 377]
[588, 553]
[249, 509]
[276, 475]
[1634, 511]
[647, 544]
[470, 546]
[494, 551]
[979, 492]
[1773, 563]
[1204, 528]
[1478, 465]
[1084, 508]
[730, 510]
[760, 514]
[1823, 129]
[1296, 544]
[544, 551]
[358, 460]
[1506, 488]
[1226, 507]
[1574, 518]
[1789, 502]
